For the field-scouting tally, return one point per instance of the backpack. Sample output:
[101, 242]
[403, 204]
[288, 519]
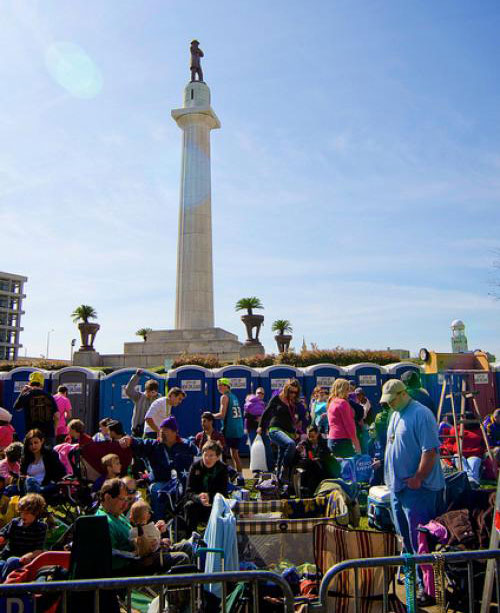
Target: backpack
[268, 486]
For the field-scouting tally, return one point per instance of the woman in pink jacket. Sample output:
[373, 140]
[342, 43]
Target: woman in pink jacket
[342, 438]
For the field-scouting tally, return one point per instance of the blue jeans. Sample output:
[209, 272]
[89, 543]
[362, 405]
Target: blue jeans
[410, 508]
[7, 566]
[267, 444]
[158, 502]
[286, 450]
[472, 467]
[32, 486]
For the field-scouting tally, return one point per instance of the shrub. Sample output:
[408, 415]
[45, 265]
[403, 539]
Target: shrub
[257, 361]
[186, 359]
[338, 356]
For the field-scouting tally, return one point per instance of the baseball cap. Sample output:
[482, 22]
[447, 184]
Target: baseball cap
[116, 426]
[36, 377]
[224, 381]
[5, 415]
[410, 378]
[170, 423]
[391, 389]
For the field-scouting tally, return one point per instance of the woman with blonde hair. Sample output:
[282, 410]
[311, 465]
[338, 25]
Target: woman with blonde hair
[281, 418]
[342, 438]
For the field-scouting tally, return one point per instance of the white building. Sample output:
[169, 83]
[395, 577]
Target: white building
[11, 299]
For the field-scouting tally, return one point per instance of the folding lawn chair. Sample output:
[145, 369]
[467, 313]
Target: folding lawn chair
[334, 544]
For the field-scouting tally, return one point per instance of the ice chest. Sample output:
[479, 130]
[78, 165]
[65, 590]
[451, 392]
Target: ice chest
[379, 508]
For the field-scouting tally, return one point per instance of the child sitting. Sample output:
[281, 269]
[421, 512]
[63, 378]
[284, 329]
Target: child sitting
[10, 467]
[6, 429]
[24, 536]
[113, 468]
[146, 536]
[76, 433]
[376, 451]
[317, 460]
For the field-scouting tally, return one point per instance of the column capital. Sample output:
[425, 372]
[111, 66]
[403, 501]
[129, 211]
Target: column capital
[185, 116]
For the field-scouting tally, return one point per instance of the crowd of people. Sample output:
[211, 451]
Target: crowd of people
[402, 439]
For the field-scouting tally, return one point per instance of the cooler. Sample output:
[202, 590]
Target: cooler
[379, 508]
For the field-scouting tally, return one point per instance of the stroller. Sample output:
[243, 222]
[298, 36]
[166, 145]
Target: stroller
[465, 526]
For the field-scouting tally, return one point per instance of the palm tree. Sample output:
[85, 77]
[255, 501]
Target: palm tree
[282, 326]
[251, 320]
[88, 330]
[83, 313]
[248, 303]
[144, 333]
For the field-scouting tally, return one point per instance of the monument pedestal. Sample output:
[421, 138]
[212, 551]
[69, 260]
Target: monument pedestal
[87, 358]
[170, 344]
[248, 350]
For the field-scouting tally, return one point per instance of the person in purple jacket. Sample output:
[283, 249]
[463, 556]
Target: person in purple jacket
[253, 408]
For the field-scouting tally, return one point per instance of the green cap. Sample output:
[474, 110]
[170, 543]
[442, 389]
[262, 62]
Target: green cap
[224, 381]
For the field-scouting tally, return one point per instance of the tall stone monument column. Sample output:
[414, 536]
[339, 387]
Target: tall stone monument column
[194, 307]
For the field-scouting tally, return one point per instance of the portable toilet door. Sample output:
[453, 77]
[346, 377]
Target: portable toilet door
[197, 383]
[323, 375]
[483, 385]
[496, 369]
[244, 380]
[13, 383]
[273, 378]
[83, 393]
[371, 378]
[114, 402]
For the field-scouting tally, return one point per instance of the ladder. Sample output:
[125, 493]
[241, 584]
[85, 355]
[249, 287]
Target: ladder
[465, 395]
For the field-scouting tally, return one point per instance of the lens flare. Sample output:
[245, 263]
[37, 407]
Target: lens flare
[73, 69]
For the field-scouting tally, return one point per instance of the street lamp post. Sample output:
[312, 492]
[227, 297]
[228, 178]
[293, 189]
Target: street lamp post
[48, 342]
[73, 343]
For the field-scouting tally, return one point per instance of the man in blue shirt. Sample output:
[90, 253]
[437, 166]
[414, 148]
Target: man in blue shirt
[169, 453]
[412, 469]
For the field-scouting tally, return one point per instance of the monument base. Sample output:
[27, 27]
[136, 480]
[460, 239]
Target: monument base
[248, 350]
[164, 345]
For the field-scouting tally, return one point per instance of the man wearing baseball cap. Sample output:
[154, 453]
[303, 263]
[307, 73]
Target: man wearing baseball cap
[169, 453]
[40, 408]
[412, 469]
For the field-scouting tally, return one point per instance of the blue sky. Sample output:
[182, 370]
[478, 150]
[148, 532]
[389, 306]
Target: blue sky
[355, 180]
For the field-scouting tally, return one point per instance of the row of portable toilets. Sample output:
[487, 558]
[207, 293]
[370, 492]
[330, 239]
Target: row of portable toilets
[94, 395]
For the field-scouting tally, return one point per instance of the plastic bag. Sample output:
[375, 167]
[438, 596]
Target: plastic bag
[258, 455]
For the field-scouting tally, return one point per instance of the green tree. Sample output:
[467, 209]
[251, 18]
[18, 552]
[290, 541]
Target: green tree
[282, 326]
[248, 303]
[144, 333]
[83, 313]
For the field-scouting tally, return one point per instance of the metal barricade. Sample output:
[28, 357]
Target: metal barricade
[163, 582]
[468, 557]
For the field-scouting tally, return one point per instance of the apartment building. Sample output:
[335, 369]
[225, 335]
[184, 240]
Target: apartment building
[11, 300]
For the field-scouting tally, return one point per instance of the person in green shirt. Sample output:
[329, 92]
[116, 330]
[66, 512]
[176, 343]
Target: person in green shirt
[114, 502]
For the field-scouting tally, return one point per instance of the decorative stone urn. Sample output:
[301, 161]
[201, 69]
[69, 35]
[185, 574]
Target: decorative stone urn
[87, 334]
[251, 322]
[283, 341]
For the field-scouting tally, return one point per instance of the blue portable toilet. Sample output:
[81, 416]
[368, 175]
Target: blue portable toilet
[397, 369]
[323, 375]
[273, 378]
[83, 393]
[244, 381]
[370, 377]
[13, 383]
[114, 403]
[197, 383]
